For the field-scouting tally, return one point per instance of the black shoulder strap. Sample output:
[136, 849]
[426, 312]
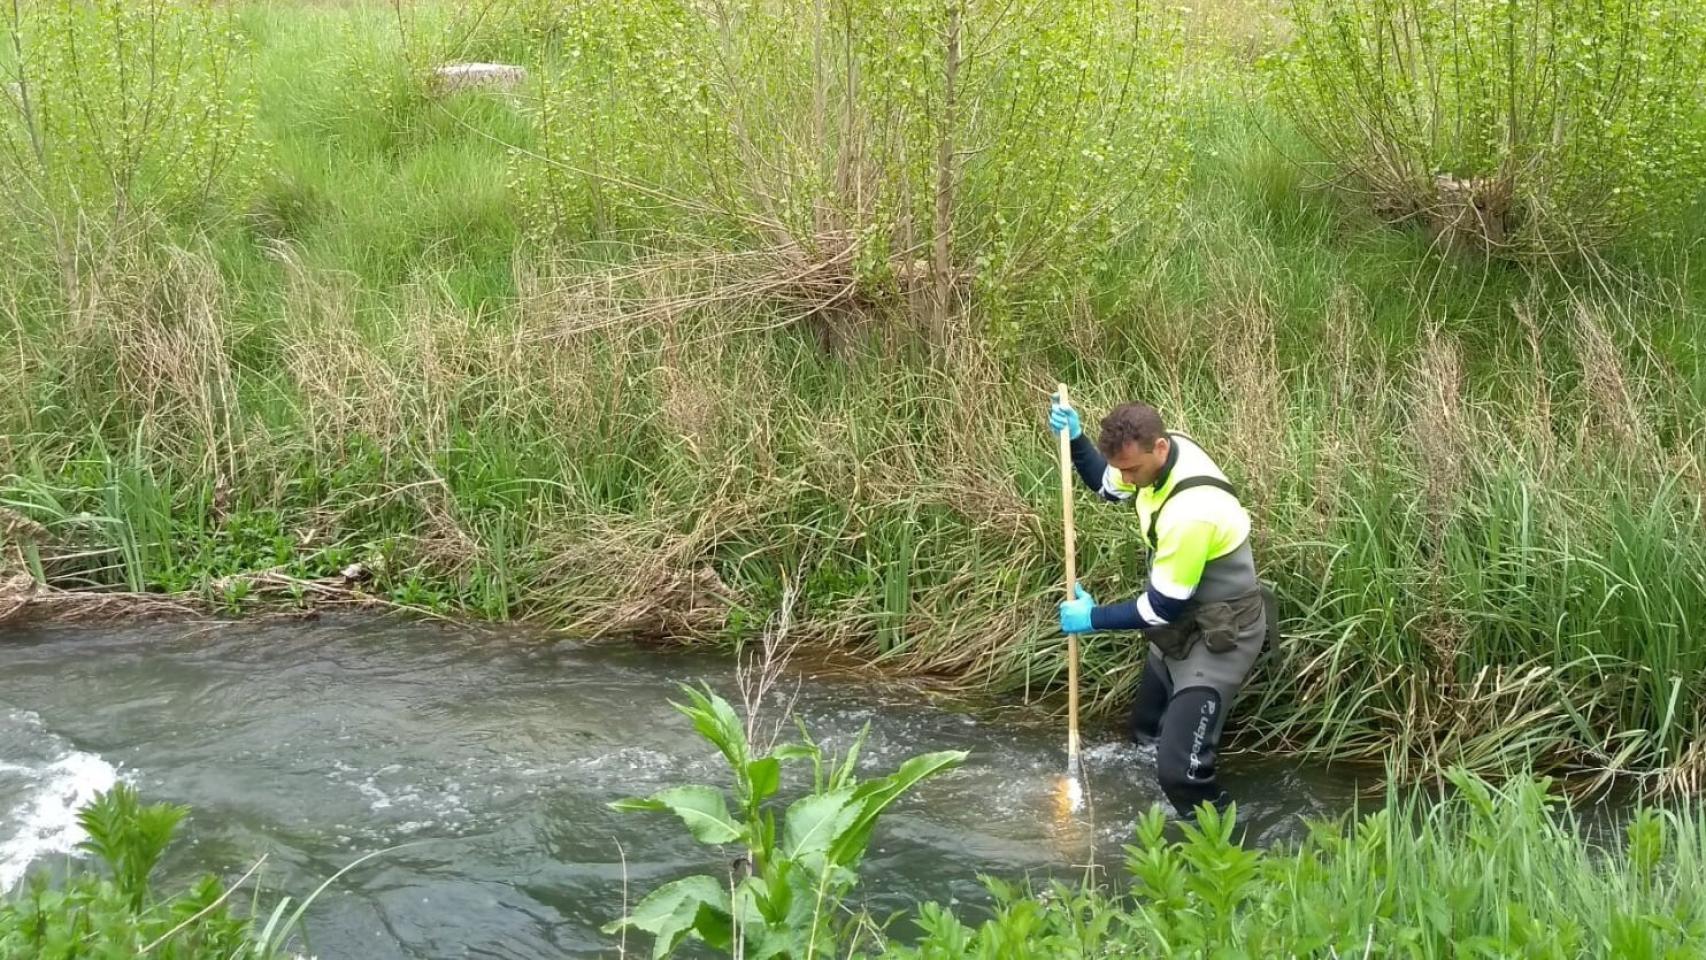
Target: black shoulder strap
[1183, 485]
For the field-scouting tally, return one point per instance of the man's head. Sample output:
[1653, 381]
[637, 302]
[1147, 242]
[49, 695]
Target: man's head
[1135, 443]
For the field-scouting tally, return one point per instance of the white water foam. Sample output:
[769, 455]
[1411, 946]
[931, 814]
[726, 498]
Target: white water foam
[45, 821]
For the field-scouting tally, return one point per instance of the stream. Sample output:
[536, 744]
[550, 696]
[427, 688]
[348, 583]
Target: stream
[493, 753]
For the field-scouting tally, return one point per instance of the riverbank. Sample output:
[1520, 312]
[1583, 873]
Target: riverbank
[1476, 486]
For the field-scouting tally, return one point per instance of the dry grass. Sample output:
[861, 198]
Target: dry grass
[1438, 424]
[1613, 401]
[1687, 776]
[23, 600]
[1246, 363]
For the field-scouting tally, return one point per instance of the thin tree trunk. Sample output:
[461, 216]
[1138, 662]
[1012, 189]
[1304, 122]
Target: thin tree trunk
[941, 265]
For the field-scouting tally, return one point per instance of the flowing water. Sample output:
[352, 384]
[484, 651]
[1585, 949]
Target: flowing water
[494, 755]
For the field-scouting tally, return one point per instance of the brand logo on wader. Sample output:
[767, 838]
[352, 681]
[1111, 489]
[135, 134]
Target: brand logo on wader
[1207, 714]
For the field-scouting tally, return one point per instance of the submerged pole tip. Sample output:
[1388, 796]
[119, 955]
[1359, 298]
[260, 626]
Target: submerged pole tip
[1068, 795]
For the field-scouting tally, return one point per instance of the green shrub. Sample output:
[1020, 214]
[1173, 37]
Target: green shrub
[1524, 127]
[919, 155]
[118, 113]
[118, 912]
[783, 899]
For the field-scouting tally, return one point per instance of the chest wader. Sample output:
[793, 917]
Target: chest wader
[1196, 666]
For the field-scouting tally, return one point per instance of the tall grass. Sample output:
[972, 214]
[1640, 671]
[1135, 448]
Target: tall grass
[1477, 489]
[1493, 871]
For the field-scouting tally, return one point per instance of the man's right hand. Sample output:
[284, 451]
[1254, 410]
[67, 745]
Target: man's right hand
[1062, 417]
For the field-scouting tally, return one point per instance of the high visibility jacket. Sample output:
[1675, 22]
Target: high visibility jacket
[1199, 546]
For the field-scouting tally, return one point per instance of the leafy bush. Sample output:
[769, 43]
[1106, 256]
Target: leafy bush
[120, 914]
[782, 898]
[118, 112]
[1522, 127]
[858, 154]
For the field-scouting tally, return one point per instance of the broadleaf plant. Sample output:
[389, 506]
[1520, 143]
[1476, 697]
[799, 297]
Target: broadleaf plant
[778, 902]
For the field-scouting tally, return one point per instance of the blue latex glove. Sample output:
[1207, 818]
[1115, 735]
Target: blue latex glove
[1075, 613]
[1061, 416]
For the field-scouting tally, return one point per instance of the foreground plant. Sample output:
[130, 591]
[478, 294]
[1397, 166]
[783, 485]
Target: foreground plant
[1488, 872]
[119, 912]
[781, 898]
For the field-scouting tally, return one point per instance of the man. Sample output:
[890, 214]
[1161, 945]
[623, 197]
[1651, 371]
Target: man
[1203, 610]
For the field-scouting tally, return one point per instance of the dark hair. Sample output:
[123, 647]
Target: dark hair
[1137, 423]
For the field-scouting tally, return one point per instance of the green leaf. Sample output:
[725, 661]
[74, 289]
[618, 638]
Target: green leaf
[764, 902]
[874, 796]
[697, 904]
[794, 751]
[844, 775]
[718, 723]
[813, 823]
[764, 777]
[703, 809]
[129, 836]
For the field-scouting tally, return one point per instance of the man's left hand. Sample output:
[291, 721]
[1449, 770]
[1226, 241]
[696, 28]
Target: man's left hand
[1075, 613]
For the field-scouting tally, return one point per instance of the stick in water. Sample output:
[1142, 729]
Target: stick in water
[1074, 789]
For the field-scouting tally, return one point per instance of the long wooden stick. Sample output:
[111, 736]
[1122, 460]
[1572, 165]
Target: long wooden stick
[1071, 593]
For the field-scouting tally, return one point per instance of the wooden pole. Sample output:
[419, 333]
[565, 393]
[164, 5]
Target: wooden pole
[1071, 592]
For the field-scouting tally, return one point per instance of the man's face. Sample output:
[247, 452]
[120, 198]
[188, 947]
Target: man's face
[1140, 467]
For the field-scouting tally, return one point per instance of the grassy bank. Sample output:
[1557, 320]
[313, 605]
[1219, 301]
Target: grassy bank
[418, 333]
[1495, 872]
